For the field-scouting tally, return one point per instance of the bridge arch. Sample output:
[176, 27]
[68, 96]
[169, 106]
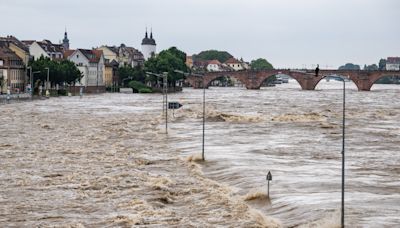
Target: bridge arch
[263, 79]
[208, 81]
[373, 82]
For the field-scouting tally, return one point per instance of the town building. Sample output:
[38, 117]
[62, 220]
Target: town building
[110, 73]
[12, 71]
[91, 64]
[189, 61]
[214, 65]
[19, 48]
[393, 63]
[148, 46]
[65, 42]
[123, 55]
[44, 48]
[234, 64]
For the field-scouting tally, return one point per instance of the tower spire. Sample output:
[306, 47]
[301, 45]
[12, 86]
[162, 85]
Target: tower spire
[65, 42]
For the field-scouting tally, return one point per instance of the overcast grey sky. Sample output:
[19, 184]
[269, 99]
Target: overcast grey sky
[289, 33]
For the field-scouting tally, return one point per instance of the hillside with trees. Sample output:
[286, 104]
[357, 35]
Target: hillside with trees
[221, 56]
[350, 66]
[261, 64]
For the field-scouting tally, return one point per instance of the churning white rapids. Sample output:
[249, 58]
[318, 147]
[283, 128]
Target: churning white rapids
[105, 160]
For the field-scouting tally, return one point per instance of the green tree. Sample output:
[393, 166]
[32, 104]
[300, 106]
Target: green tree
[167, 61]
[221, 56]
[261, 64]
[371, 67]
[69, 73]
[59, 72]
[136, 74]
[125, 72]
[350, 66]
[382, 64]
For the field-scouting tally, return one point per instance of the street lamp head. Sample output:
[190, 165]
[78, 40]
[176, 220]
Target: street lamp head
[154, 74]
[180, 72]
[188, 74]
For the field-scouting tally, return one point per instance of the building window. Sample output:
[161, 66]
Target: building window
[77, 56]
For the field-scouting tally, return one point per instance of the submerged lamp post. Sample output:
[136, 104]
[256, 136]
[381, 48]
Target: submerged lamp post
[343, 141]
[164, 76]
[32, 75]
[47, 82]
[269, 178]
[204, 104]
[343, 79]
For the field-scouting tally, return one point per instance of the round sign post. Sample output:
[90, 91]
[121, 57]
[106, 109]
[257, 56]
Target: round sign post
[269, 178]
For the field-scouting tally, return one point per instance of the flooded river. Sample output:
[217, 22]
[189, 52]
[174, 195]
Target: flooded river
[106, 161]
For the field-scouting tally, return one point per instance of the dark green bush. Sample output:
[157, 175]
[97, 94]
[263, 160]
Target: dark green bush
[139, 87]
[145, 90]
[62, 92]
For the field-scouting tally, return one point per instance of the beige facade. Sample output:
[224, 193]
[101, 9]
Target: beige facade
[12, 71]
[123, 55]
[108, 75]
[108, 53]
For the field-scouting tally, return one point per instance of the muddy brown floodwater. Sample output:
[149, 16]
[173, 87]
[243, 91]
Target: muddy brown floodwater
[105, 161]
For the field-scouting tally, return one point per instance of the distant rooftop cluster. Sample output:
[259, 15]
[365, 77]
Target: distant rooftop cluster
[97, 65]
[214, 65]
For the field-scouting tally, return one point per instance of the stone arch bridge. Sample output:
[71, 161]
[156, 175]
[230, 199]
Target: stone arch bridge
[306, 78]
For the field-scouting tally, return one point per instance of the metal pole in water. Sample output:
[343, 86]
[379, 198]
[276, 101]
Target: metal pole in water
[204, 116]
[163, 97]
[343, 151]
[31, 78]
[269, 178]
[166, 101]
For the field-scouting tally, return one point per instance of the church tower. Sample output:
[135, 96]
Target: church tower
[65, 42]
[148, 46]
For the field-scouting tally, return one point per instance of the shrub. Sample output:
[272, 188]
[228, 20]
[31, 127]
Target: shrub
[139, 87]
[145, 90]
[62, 92]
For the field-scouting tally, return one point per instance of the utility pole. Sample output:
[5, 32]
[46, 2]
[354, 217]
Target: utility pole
[204, 105]
[47, 82]
[343, 151]
[164, 76]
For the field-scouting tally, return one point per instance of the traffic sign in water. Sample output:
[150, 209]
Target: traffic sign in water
[174, 105]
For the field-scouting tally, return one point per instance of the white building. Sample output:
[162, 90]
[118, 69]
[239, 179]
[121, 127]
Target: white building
[214, 65]
[91, 64]
[148, 46]
[44, 48]
[123, 55]
[393, 63]
[234, 64]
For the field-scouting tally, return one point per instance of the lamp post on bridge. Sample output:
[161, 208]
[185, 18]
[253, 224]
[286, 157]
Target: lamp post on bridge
[164, 76]
[204, 104]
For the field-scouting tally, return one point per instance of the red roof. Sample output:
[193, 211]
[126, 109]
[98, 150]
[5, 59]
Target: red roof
[232, 61]
[214, 62]
[92, 55]
[67, 53]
